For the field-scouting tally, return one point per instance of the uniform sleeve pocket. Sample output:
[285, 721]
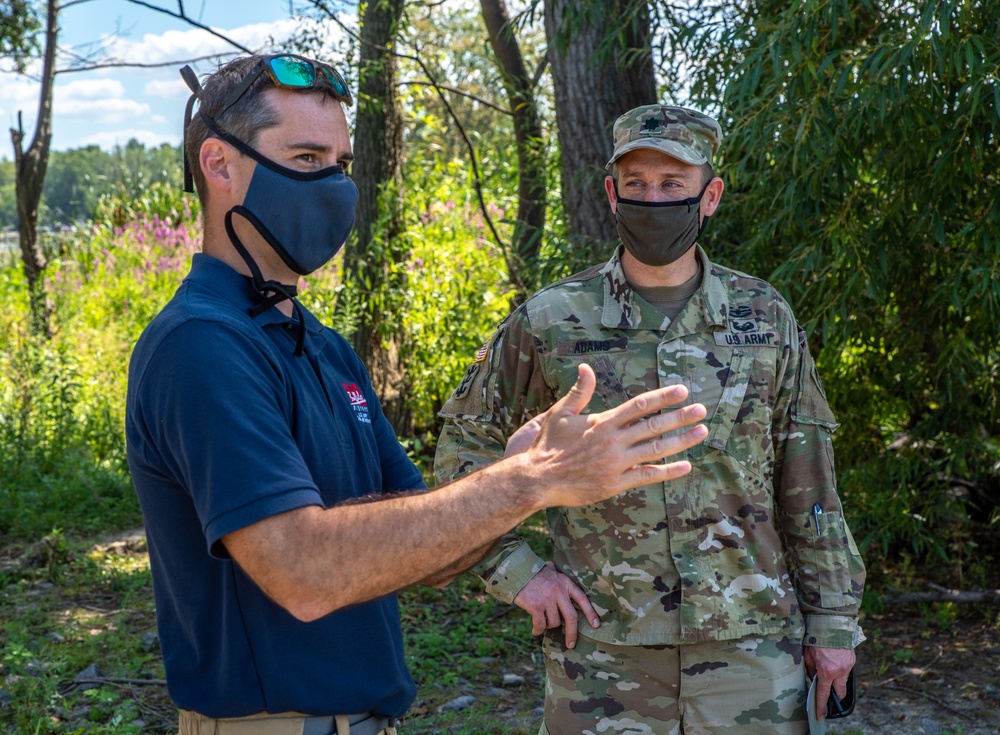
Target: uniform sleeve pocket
[824, 562]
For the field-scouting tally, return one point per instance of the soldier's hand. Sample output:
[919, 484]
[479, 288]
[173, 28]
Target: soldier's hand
[831, 666]
[583, 459]
[552, 599]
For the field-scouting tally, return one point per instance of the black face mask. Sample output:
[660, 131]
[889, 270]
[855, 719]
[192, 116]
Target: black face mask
[658, 233]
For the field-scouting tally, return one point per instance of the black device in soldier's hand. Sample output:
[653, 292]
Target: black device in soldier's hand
[836, 707]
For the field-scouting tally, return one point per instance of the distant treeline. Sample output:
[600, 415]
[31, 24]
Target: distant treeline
[78, 178]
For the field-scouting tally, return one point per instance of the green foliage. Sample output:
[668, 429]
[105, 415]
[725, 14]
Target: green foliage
[79, 180]
[861, 148]
[19, 25]
[8, 195]
[62, 450]
[456, 291]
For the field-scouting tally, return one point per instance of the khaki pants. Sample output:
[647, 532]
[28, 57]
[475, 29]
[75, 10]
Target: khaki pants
[283, 723]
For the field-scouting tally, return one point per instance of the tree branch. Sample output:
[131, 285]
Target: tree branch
[131, 65]
[113, 680]
[190, 21]
[943, 594]
[476, 178]
[463, 93]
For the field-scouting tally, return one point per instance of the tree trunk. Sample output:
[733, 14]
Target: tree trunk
[601, 68]
[530, 147]
[373, 255]
[30, 167]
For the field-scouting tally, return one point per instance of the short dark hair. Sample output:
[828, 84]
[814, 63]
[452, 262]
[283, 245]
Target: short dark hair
[244, 119]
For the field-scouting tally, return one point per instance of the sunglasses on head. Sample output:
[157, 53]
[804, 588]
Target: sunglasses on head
[287, 71]
[290, 71]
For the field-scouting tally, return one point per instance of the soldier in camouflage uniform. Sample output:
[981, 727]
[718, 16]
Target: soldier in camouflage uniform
[689, 618]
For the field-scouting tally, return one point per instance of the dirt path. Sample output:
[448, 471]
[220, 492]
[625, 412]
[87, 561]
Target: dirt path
[918, 678]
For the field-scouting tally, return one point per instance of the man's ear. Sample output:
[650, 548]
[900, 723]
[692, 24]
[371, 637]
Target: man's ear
[713, 196]
[216, 160]
[609, 187]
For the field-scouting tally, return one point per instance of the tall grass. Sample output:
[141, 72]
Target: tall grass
[62, 447]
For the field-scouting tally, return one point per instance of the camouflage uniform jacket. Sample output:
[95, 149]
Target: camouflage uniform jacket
[701, 557]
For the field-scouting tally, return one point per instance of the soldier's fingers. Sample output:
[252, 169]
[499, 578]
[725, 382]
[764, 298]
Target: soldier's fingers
[642, 432]
[583, 602]
[570, 619]
[538, 625]
[649, 474]
[822, 696]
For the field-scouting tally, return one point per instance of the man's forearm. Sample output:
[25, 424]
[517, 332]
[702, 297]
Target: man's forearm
[313, 561]
[341, 556]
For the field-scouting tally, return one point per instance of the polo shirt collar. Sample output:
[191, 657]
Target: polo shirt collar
[219, 278]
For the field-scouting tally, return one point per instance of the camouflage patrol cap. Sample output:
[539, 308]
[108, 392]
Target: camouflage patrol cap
[684, 134]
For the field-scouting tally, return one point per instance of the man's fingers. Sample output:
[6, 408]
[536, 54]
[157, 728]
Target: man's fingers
[570, 619]
[579, 395]
[822, 696]
[656, 449]
[583, 602]
[647, 403]
[538, 622]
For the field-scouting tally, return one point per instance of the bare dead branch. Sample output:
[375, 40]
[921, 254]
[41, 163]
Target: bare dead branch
[136, 65]
[123, 682]
[943, 594]
[181, 15]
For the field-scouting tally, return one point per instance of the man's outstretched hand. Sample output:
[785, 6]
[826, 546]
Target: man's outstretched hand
[581, 459]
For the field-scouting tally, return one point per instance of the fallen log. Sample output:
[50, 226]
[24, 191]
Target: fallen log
[938, 593]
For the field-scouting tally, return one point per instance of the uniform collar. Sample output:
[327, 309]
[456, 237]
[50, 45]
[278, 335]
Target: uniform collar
[625, 309]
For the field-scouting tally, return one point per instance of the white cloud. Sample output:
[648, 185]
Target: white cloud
[17, 93]
[108, 139]
[164, 89]
[195, 43]
[89, 89]
[97, 101]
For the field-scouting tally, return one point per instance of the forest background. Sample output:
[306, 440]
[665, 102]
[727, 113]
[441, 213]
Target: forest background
[861, 159]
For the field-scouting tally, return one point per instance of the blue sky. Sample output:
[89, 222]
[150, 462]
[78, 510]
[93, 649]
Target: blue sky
[109, 106]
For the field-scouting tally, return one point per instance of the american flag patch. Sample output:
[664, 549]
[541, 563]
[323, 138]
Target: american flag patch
[483, 351]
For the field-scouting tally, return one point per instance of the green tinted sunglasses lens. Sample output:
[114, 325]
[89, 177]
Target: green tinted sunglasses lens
[337, 82]
[291, 72]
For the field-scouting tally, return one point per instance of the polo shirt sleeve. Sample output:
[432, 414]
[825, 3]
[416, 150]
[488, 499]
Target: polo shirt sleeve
[214, 406]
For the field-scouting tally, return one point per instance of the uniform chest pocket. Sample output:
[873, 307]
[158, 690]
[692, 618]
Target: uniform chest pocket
[741, 424]
[610, 369]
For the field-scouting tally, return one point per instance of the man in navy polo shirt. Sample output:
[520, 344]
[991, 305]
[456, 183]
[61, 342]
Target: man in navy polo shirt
[281, 512]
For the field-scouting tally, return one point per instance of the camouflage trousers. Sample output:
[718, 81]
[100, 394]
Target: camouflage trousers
[742, 687]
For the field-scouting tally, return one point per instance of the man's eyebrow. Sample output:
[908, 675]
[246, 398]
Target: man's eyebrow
[314, 147]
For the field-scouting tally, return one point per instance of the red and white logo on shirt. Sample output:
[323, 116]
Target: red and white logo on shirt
[358, 402]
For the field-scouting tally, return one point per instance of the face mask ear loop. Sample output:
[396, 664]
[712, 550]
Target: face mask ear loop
[279, 291]
[189, 77]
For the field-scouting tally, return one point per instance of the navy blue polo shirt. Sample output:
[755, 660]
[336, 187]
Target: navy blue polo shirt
[226, 427]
